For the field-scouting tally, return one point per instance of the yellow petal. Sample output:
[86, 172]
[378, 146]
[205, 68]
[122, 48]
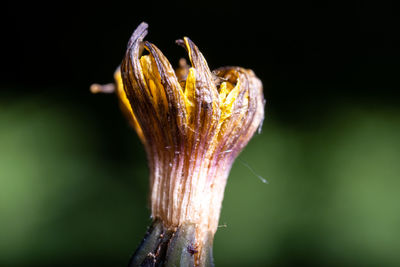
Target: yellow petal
[125, 105]
[228, 103]
[190, 91]
[154, 86]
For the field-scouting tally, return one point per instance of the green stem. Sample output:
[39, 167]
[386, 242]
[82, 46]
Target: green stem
[162, 247]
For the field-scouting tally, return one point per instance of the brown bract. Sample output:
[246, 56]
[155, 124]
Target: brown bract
[193, 123]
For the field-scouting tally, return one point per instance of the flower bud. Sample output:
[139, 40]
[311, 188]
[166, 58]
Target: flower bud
[193, 124]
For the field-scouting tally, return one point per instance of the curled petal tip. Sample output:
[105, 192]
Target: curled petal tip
[138, 34]
[180, 42]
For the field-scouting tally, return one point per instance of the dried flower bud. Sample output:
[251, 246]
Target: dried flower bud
[193, 123]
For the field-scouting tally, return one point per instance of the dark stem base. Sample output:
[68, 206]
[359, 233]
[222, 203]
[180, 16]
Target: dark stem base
[162, 247]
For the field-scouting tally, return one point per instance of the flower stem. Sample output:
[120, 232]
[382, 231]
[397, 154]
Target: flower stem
[162, 247]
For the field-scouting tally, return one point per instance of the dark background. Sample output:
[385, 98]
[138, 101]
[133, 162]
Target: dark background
[73, 174]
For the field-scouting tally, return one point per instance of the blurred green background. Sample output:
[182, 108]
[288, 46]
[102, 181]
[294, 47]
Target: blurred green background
[73, 189]
[73, 175]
